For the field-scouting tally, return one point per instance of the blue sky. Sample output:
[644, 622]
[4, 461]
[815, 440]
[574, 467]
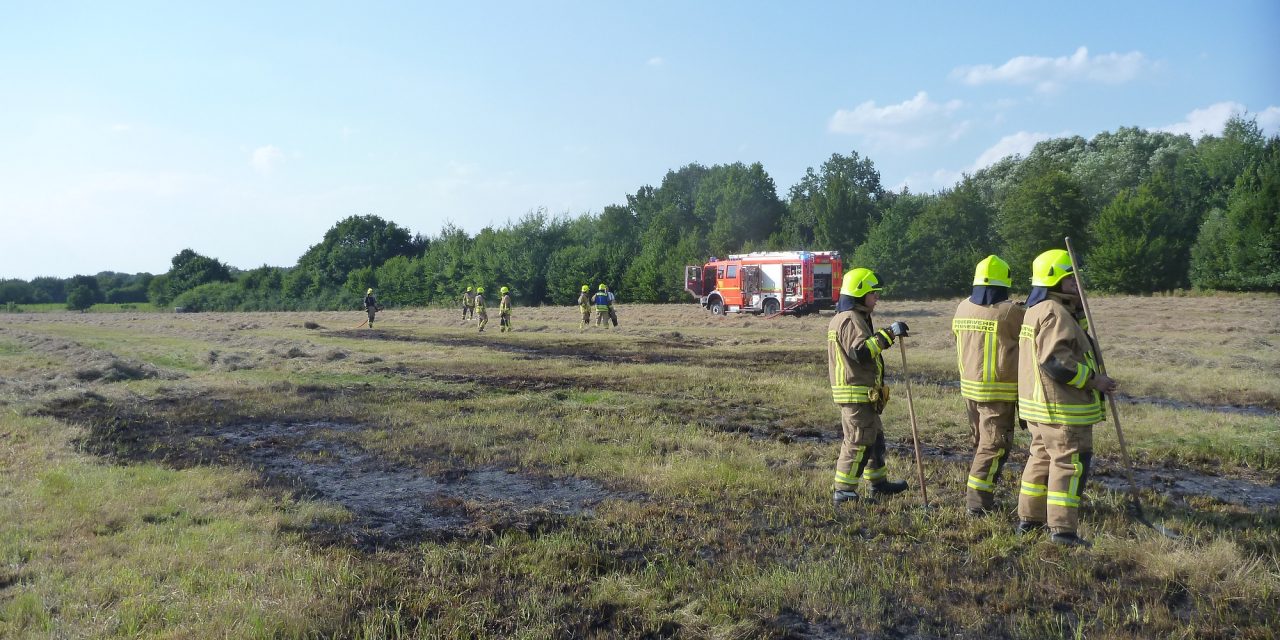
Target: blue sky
[244, 130]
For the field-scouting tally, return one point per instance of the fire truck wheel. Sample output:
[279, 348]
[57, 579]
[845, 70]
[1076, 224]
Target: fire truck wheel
[770, 306]
[716, 305]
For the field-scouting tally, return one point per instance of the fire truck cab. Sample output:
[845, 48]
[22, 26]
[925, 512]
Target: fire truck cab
[769, 282]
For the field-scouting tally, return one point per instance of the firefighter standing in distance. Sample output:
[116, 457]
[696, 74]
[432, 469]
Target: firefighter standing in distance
[1060, 396]
[482, 315]
[613, 309]
[371, 305]
[504, 310]
[604, 306]
[856, 370]
[986, 327]
[584, 305]
[468, 304]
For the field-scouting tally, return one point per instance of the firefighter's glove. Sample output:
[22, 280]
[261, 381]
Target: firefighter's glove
[899, 329]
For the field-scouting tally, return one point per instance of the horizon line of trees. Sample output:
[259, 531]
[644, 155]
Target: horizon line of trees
[1150, 211]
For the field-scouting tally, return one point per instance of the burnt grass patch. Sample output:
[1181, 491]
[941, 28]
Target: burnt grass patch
[512, 384]
[1180, 486]
[666, 351]
[392, 503]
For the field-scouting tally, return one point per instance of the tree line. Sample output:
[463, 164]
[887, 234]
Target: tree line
[1150, 211]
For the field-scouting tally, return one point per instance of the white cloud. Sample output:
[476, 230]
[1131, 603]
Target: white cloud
[266, 159]
[1020, 143]
[656, 61]
[928, 182]
[1269, 120]
[1211, 120]
[1048, 74]
[913, 123]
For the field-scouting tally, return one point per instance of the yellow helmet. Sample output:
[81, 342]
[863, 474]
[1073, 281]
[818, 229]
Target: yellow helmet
[503, 290]
[992, 272]
[369, 291]
[586, 288]
[859, 282]
[603, 287]
[1050, 267]
[468, 288]
[479, 289]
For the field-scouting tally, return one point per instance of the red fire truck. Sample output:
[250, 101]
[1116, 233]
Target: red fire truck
[768, 282]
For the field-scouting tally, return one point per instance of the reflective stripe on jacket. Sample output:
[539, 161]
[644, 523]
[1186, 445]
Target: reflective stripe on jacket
[504, 305]
[584, 301]
[987, 350]
[1053, 345]
[479, 302]
[854, 364]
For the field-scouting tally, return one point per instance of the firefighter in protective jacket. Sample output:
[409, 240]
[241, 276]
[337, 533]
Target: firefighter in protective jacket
[604, 305]
[482, 315]
[986, 328]
[371, 305]
[504, 310]
[855, 367]
[1060, 396]
[584, 305]
[468, 304]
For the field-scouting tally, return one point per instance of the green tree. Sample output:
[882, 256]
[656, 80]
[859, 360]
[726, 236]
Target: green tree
[401, 282]
[445, 265]
[49, 289]
[739, 204]
[17, 292]
[1210, 257]
[1117, 161]
[1221, 159]
[1240, 249]
[359, 280]
[834, 208]
[1132, 249]
[944, 242]
[888, 249]
[568, 269]
[1042, 210]
[82, 293]
[188, 270]
[355, 242]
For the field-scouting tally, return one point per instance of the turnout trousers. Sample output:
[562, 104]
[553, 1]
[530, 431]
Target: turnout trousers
[482, 319]
[991, 425]
[1054, 478]
[862, 450]
[602, 317]
[586, 316]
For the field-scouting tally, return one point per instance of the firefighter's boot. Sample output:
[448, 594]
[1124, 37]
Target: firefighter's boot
[1069, 539]
[1026, 527]
[839, 496]
[888, 487]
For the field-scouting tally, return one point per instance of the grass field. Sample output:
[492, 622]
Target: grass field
[285, 475]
